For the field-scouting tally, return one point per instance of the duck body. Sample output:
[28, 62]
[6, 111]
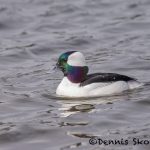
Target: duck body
[78, 83]
[92, 89]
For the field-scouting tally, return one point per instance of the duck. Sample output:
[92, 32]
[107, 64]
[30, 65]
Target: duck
[78, 83]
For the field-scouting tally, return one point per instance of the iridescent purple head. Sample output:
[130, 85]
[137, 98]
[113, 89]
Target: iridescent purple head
[73, 65]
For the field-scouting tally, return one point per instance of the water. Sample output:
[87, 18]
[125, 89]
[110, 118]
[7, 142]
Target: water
[114, 35]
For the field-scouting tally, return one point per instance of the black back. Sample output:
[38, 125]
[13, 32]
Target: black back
[104, 77]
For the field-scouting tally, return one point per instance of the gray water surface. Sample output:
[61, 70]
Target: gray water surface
[114, 35]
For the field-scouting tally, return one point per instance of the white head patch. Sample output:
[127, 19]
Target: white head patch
[76, 59]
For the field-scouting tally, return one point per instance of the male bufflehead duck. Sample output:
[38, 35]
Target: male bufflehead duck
[78, 83]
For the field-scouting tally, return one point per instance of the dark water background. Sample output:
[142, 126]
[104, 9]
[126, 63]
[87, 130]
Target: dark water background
[114, 35]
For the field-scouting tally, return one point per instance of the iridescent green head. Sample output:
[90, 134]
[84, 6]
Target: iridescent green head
[73, 65]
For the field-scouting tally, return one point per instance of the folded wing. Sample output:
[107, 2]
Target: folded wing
[105, 78]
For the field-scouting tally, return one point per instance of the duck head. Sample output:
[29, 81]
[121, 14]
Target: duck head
[73, 66]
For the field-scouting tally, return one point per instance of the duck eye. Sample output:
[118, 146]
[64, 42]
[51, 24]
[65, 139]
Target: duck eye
[64, 60]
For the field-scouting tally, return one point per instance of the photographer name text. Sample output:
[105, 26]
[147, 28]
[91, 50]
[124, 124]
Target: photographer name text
[122, 141]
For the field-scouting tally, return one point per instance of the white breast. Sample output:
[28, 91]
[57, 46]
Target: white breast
[67, 88]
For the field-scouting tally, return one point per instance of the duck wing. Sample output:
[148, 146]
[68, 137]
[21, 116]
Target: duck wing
[105, 78]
